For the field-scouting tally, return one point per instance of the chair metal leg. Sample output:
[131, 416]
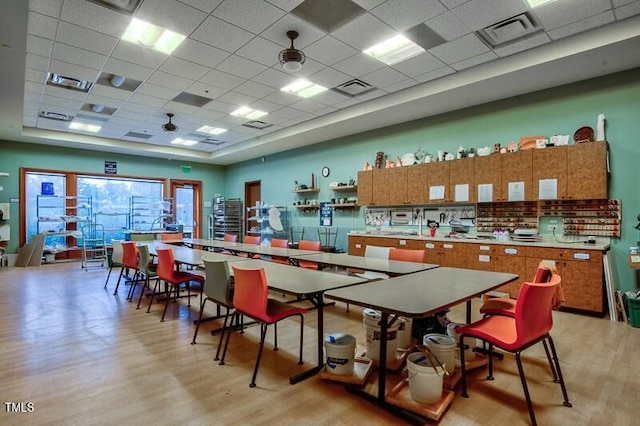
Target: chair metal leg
[222, 333]
[275, 337]
[263, 333]
[490, 376]
[153, 293]
[108, 275]
[300, 362]
[553, 368]
[118, 283]
[226, 342]
[166, 305]
[463, 369]
[526, 389]
[134, 282]
[560, 378]
[195, 333]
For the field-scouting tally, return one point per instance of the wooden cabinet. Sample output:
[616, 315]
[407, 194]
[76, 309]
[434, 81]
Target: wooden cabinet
[510, 259]
[487, 171]
[550, 163]
[582, 281]
[398, 186]
[516, 169]
[438, 176]
[587, 171]
[417, 190]
[461, 172]
[381, 181]
[365, 187]
[480, 257]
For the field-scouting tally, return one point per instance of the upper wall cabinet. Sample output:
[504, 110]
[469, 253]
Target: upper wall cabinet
[516, 176]
[587, 171]
[438, 190]
[417, 190]
[365, 187]
[488, 176]
[462, 180]
[549, 165]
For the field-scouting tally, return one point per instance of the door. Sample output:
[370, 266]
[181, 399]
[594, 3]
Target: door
[187, 205]
[252, 195]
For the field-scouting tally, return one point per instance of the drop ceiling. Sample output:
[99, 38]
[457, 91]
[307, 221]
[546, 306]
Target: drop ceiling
[476, 51]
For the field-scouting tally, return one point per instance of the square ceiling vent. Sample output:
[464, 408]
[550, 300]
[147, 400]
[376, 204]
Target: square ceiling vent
[257, 124]
[510, 30]
[127, 7]
[58, 116]
[328, 15]
[354, 88]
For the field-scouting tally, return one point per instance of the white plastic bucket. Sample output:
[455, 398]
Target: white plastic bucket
[468, 344]
[443, 347]
[404, 332]
[425, 382]
[340, 351]
[371, 322]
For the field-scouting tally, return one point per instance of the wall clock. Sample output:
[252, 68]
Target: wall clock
[325, 172]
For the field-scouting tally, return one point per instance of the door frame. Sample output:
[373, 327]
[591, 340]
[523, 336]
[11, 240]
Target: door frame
[197, 202]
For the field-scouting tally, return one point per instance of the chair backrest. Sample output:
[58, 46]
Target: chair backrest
[130, 254]
[377, 252]
[543, 274]
[231, 238]
[407, 255]
[309, 245]
[250, 292]
[116, 253]
[144, 259]
[533, 309]
[251, 239]
[171, 237]
[277, 242]
[166, 265]
[218, 284]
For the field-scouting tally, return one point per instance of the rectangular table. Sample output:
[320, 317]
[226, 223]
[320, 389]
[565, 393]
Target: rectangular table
[250, 249]
[308, 284]
[418, 295]
[391, 267]
[189, 256]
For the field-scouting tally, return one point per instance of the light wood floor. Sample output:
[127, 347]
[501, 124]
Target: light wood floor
[83, 356]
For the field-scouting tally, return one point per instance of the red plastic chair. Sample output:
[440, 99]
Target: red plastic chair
[250, 298]
[277, 242]
[531, 324]
[129, 263]
[251, 239]
[173, 279]
[407, 255]
[231, 238]
[308, 245]
[507, 306]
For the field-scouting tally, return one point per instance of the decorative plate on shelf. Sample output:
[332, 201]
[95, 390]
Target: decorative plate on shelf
[583, 134]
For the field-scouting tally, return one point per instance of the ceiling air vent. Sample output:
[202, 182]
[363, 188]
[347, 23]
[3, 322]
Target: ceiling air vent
[55, 116]
[256, 124]
[212, 141]
[138, 135]
[353, 88]
[68, 82]
[128, 7]
[510, 30]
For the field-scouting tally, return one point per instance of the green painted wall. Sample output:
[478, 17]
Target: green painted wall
[14, 155]
[555, 111]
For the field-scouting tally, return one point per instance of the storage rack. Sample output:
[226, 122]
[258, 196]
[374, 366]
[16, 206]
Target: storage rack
[226, 217]
[598, 217]
[94, 247]
[258, 222]
[146, 213]
[59, 216]
[507, 216]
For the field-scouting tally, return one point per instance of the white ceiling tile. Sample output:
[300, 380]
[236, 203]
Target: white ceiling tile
[364, 31]
[42, 26]
[74, 71]
[158, 91]
[557, 14]
[204, 5]
[169, 80]
[329, 50]
[29, 120]
[404, 14]
[110, 92]
[476, 60]
[448, 26]
[74, 55]
[172, 15]
[96, 98]
[401, 85]
[84, 38]
[286, 5]
[307, 105]
[95, 17]
[32, 86]
[281, 98]
[616, 3]
[55, 125]
[221, 79]
[435, 74]
[358, 65]
[235, 98]
[274, 77]
[37, 76]
[329, 78]
[222, 35]
[628, 10]
[70, 105]
[577, 27]
[127, 69]
[478, 14]
[288, 113]
[46, 7]
[241, 67]
[420, 64]
[37, 62]
[186, 69]
[33, 97]
[384, 77]
[147, 100]
[206, 90]
[368, 4]
[60, 92]
[254, 16]
[254, 89]
[200, 53]
[307, 33]
[460, 49]
[265, 106]
[131, 115]
[451, 4]
[520, 46]
[137, 54]
[330, 97]
[39, 46]
[261, 50]
[139, 108]
[180, 108]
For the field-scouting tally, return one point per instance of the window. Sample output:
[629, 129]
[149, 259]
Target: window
[33, 188]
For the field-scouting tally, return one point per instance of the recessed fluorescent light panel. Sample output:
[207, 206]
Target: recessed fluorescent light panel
[211, 130]
[394, 50]
[149, 35]
[536, 3]
[304, 88]
[75, 125]
[183, 142]
[250, 113]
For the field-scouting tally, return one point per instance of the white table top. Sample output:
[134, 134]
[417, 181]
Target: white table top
[394, 267]
[248, 248]
[189, 256]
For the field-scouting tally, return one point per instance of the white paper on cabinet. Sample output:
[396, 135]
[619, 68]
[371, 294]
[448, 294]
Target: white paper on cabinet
[516, 191]
[548, 189]
[461, 192]
[436, 192]
[485, 193]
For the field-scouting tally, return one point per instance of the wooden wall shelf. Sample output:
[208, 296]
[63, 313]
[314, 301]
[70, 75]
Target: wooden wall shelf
[307, 191]
[345, 188]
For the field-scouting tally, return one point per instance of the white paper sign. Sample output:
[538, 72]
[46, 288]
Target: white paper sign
[484, 258]
[485, 193]
[462, 192]
[548, 189]
[516, 191]
[436, 192]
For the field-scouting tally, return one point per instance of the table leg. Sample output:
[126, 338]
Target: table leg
[469, 311]
[316, 300]
[382, 373]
